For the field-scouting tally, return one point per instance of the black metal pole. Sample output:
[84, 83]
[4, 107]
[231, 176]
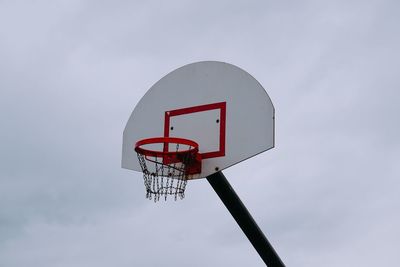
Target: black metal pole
[242, 216]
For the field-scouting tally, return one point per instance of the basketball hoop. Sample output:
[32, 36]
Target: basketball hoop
[167, 163]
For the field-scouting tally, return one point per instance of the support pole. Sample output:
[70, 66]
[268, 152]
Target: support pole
[242, 216]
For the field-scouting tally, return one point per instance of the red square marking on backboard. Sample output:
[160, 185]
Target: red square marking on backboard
[214, 106]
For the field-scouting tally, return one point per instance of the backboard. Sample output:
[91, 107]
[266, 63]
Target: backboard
[219, 106]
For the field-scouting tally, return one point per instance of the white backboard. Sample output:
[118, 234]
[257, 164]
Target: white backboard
[218, 105]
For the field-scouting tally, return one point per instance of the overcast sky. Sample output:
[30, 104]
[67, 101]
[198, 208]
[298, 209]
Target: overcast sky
[71, 73]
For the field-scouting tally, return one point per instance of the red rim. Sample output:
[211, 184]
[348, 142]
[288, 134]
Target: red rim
[165, 140]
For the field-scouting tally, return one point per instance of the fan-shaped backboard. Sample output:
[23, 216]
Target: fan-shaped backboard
[218, 105]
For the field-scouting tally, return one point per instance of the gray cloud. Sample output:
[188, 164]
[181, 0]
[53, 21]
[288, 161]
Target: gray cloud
[72, 71]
